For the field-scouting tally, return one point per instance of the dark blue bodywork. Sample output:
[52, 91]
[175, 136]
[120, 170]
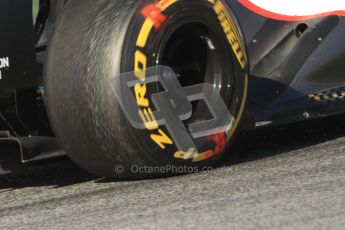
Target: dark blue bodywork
[297, 69]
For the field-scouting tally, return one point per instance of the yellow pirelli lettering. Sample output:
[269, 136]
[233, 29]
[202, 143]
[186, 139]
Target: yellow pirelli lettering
[161, 139]
[185, 155]
[144, 33]
[165, 4]
[203, 156]
[140, 63]
[231, 33]
[148, 24]
[149, 119]
[222, 13]
[140, 95]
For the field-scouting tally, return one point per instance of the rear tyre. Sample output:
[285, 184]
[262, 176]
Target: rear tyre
[97, 40]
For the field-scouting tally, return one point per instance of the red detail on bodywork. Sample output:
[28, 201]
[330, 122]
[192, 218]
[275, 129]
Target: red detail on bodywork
[154, 13]
[269, 14]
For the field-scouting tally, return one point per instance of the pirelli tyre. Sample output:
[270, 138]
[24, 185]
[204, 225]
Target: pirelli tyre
[95, 41]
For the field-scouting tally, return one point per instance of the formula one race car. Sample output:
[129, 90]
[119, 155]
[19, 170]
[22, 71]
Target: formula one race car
[143, 83]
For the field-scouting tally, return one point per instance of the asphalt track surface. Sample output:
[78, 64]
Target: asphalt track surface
[290, 177]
